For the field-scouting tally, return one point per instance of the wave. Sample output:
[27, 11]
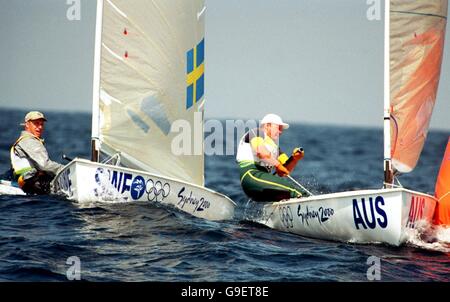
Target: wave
[429, 237]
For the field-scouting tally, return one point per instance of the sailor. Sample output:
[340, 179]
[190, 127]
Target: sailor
[258, 153]
[32, 168]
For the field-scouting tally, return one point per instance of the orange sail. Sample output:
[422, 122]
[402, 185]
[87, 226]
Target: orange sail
[442, 213]
[417, 41]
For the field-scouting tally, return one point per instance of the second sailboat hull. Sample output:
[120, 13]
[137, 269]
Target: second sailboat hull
[85, 181]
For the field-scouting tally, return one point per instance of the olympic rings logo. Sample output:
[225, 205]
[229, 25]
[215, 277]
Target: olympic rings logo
[157, 191]
[286, 217]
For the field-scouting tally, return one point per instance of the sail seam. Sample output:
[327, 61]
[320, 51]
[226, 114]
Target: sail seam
[445, 195]
[117, 9]
[420, 14]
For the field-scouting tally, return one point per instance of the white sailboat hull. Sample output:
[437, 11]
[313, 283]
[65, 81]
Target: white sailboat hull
[369, 216]
[6, 188]
[85, 181]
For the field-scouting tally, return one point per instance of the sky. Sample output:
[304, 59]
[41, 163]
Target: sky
[311, 61]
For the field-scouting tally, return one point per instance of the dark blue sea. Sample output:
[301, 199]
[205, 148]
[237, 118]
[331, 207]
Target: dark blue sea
[144, 242]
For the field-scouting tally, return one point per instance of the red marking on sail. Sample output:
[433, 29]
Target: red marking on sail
[126, 54]
[125, 32]
[442, 191]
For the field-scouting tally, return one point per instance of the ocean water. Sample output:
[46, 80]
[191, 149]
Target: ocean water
[144, 242]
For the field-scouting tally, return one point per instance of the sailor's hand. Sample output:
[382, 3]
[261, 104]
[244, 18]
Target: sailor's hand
[298, 153]
[281, 170]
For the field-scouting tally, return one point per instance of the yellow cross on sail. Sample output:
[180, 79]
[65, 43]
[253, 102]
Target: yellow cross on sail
[195, 78]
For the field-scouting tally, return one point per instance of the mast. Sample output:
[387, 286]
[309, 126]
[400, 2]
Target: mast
[388, 173]
[95, 155]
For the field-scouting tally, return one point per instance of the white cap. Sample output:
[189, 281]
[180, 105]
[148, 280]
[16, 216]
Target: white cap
[274, 119]
[33, 115]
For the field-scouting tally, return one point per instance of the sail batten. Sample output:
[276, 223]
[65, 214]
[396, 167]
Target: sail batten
[417, 32]
[144, 85]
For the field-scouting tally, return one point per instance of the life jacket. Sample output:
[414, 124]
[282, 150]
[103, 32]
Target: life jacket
[20, 165]
[246, 154]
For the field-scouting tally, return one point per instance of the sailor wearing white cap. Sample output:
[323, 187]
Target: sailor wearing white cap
[258, 153]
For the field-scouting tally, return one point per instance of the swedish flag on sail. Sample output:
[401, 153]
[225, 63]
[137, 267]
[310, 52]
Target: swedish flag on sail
[195, 78]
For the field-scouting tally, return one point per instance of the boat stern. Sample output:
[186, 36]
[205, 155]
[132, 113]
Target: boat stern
[417, 213]
[65, 183]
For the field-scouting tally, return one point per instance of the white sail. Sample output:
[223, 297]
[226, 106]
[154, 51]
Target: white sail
[151, 75]
[417, 31]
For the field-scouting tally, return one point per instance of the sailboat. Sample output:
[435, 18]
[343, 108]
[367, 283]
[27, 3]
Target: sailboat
[148, 75]
[414, 43]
